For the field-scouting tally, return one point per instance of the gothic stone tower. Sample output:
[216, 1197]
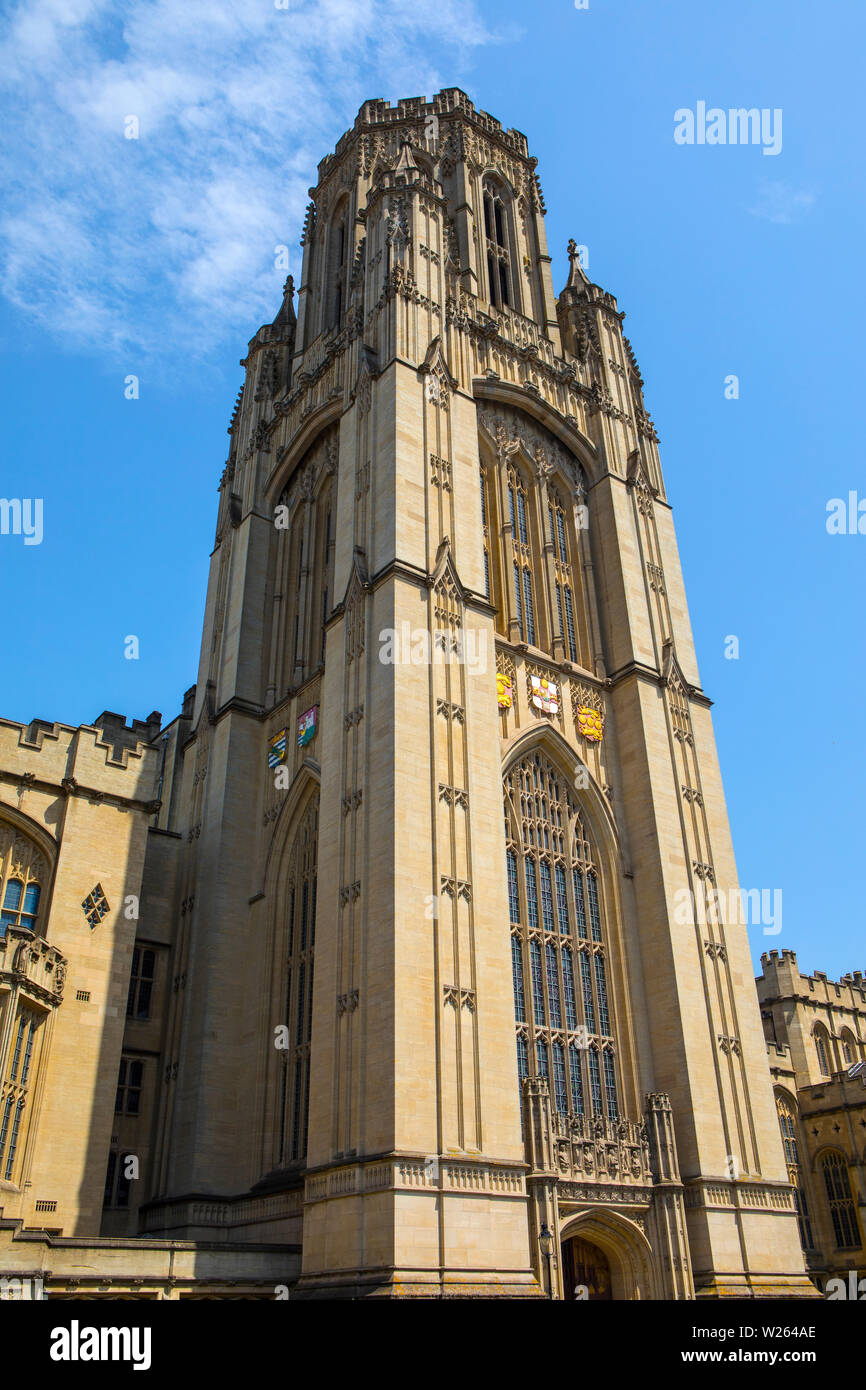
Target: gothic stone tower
[434, 993]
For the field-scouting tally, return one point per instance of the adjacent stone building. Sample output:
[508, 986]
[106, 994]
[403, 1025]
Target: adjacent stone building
[366, 975]
[816, 1040]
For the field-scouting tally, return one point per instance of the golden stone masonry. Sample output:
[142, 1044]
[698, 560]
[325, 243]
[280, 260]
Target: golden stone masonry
[363, 976]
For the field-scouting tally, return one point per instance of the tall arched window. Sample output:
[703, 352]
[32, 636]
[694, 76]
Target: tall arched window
[524, 601]
[850, 1051]
[787, 1112]
[562, 1009]
[564, 580]
[299, 944]
[337, 267]
[501, 270]
[822, 1048]
[22, 873]
[840, 1201]
[17, 1087]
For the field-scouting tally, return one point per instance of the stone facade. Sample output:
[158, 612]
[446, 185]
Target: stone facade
[365, 1034]
[816, 1041]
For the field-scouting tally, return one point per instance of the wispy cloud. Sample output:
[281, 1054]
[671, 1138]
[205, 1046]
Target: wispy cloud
[779, 202]
[169, 239]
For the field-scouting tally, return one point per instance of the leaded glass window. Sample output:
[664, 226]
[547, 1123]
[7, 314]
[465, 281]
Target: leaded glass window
[537, 984]
[594, 1082]
[528, 607]
[576, 1078]
[823, 1050]
[561, 900]
[560, 1090]
[299, 932]
[517, 974]
[586, 981]
[568, 988]
[518, 509]
[788, 1125]
[840, 1201]
[556, 908]
[513, 895]
[610, 1085]
[553, 985]
[18, 1078]
[546, 896]
[570, 638]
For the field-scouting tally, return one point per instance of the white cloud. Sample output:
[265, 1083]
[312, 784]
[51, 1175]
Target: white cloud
[779, 202]
[121, 245]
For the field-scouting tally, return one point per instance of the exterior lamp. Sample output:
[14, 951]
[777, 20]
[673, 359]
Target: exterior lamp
[545, 1240]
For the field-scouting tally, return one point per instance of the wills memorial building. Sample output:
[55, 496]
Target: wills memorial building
[365, 976]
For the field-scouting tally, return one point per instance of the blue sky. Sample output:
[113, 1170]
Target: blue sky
[155, 257]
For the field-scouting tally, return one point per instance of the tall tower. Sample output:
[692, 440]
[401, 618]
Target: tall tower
[445, 777]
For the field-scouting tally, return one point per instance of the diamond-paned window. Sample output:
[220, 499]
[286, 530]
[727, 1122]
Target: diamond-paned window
[95, 906]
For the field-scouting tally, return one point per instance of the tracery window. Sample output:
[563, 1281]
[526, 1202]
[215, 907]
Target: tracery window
[16, 1093]
[822, 1048]
[22, 873]
[840, 1201]
[565, 1031]
[562, 571]
[337, 273]
[299, 942]
[788, 1125]
[500, 273]
[524, 604]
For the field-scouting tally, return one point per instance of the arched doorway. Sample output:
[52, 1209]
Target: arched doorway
[585, 1271]
[608, 1256]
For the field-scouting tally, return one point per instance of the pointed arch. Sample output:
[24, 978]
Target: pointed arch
[823, 1049]
[27, 860]
[628, 1251]
[501, 257]
[337, 264]
[291, 887]
[788, 1112]
[537, 549]
[561, 902]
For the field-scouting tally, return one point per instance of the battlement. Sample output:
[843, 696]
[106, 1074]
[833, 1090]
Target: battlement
[115, 730]
[450, 101]
[782, 976]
